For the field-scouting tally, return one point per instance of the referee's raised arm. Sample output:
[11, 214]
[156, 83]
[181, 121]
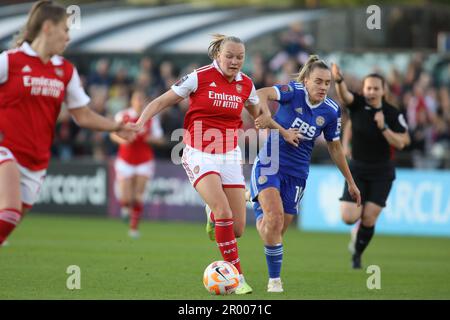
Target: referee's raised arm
[341, 88]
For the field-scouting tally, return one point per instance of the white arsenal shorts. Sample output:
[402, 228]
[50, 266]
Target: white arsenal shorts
[30, 181]
[125, 170]
[228, 166]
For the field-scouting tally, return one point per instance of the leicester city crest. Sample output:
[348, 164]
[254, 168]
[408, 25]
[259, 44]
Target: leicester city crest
[262, 179]
[320, 121]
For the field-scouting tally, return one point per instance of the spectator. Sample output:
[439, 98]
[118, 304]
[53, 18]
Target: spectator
[100, 77]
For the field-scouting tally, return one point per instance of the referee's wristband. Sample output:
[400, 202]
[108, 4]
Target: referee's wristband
[385, 127]
[338, 81]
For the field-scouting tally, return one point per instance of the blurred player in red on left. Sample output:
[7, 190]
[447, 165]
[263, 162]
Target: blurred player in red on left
[35, 80]
[135, 164]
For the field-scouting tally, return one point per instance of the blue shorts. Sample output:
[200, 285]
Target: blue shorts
[291, 189]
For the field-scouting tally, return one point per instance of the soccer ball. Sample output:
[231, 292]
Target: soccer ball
[221, 278]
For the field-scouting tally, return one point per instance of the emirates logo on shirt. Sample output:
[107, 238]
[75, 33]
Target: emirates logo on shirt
[41, 86]
[224, 100]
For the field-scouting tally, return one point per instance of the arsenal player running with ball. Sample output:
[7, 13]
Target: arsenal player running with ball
[34, 81]
[212, 158]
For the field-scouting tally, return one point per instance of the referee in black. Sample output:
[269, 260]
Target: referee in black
[376, 126]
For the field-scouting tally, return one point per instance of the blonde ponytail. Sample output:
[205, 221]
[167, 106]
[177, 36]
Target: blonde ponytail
[214, 46]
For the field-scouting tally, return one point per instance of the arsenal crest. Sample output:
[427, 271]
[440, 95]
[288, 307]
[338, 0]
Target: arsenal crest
[239, 88]
[196, 169]
[59, 72]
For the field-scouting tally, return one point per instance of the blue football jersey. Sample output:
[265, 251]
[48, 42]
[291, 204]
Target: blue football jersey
[295, 111]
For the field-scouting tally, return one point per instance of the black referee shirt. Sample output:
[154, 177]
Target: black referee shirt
[368, 143]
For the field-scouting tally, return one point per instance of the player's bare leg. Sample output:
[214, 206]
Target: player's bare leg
[126, 197]
[288, 218]
[10, 199]
[270, 227]
[236, 199]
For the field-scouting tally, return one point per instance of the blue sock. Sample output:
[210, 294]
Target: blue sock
[274, 258]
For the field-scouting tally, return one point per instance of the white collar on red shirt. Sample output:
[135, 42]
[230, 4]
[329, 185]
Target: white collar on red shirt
[28, 50]
[133, 112]
[238, 76]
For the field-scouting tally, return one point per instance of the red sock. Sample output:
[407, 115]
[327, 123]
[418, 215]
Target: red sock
[226, 242]
[136, 215]
[212, 217]
[9, 219]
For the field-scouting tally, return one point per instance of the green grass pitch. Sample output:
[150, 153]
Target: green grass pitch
[167, 262]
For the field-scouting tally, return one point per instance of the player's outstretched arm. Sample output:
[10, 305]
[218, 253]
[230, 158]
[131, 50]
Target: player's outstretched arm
[115, 138]
[254, 110]
[337, 154]
[164, 101]
[89, 119]
[265, 120]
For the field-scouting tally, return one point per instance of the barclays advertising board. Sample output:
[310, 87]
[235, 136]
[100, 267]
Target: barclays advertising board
[419, 203]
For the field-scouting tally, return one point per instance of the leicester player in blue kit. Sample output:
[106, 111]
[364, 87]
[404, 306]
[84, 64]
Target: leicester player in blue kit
[281, 168]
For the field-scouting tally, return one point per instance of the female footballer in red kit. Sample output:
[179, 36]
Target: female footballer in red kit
[34, 82]
[135, 165]
[212, 158]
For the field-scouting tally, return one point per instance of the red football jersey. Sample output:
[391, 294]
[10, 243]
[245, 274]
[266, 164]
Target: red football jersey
[215, 107]
[31, 94]
[138, 151]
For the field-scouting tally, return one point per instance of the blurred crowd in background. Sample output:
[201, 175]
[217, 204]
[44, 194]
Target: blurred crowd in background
[420, 96]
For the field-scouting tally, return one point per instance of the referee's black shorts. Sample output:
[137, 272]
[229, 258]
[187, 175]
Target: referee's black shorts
[374, 181]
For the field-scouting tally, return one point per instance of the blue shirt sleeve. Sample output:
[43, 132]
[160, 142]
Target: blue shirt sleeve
[285, 92]
[332, 129]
